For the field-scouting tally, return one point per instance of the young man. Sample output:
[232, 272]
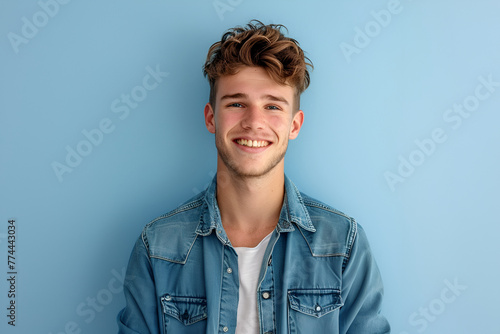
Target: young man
[252, 254]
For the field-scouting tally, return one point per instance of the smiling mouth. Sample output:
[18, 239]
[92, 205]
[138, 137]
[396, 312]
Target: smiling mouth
[252, 143]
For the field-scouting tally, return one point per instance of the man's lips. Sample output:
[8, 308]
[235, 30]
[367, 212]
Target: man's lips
[252, 143]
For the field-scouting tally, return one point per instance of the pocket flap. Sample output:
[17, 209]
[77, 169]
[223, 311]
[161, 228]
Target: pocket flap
[187, 310]
[315, 302]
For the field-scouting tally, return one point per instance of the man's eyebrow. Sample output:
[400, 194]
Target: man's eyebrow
[275, 98]
[234, 96]
[244, 96]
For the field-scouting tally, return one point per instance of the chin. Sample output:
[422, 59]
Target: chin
[256, 172]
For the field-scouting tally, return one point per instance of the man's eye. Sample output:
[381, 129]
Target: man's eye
[273, 107]
[236, 105]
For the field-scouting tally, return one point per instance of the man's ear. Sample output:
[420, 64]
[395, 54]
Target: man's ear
[209, 118]
[297, 121]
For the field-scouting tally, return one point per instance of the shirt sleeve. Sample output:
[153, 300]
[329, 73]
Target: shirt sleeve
[140, 315]
[362, 291]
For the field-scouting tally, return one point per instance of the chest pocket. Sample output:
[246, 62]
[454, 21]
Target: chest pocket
[184, 314]
[313, 310]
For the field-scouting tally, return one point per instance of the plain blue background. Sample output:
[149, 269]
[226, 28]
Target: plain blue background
[435, 227]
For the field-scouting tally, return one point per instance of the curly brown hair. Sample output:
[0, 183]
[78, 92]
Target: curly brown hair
[258, 45]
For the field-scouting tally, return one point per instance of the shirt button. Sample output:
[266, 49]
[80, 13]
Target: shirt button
[168, 298]
[225, 329]
[318, 308]
[266, 295]
[229, 270]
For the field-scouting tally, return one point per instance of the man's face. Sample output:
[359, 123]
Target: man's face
[252, 121]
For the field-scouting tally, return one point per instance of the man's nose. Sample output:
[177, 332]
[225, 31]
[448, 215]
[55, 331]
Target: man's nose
[253, 118]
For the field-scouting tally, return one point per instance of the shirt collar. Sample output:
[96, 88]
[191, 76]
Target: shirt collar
[293, 210]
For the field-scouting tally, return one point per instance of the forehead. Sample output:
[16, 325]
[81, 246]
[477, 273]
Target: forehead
[252, 81]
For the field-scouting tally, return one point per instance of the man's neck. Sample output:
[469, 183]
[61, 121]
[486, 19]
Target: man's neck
[250, 207]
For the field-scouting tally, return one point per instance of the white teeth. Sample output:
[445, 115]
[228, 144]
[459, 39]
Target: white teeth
[252, 143]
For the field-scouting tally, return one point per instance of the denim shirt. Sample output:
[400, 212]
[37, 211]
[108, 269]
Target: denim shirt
[318, 274]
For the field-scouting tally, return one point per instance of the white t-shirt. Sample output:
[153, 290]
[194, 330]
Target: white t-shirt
[249, 263]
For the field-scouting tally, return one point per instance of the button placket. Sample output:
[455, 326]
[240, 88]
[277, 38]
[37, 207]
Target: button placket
[229, 290]
[266, 307]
